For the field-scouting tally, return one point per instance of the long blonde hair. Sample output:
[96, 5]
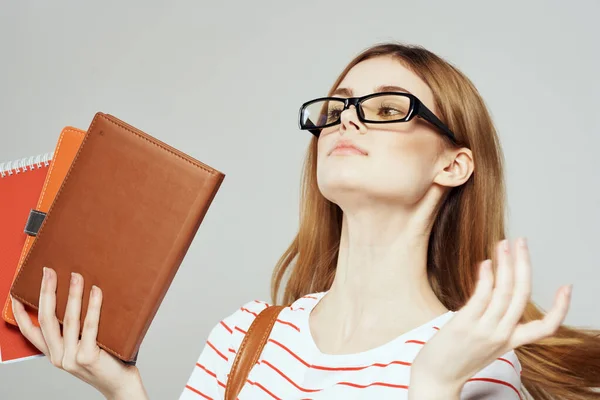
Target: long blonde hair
[468, 224]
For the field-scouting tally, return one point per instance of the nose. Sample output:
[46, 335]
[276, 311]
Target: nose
[349, 121]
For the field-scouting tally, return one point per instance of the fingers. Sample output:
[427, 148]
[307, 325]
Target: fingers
[28, 329]
[503, 290]
[539, 329]
[483, 292]
[522, 287]
[498, 309]
[65, 350]
[88, 346]
[49, 325]
[480, 299]
[71, 321]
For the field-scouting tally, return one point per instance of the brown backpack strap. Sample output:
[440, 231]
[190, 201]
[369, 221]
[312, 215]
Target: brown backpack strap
[250, 349]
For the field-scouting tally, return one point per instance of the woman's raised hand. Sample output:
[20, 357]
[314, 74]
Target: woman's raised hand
[488, 325]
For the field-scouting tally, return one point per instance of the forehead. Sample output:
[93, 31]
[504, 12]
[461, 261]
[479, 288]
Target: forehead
[365, 77]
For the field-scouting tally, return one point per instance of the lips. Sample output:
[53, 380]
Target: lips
[347, 148]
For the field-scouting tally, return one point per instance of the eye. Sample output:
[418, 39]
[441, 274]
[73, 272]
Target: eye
[334, 113]
[391, 110]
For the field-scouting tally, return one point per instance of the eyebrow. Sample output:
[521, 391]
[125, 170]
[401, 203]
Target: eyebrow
[383, 88]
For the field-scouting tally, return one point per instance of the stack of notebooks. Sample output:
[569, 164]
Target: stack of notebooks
[111, 203]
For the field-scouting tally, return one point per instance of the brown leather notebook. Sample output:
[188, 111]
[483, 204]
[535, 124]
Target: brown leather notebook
[124, 218]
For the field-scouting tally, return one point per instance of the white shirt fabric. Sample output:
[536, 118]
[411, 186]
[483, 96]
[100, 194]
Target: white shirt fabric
[292, 367]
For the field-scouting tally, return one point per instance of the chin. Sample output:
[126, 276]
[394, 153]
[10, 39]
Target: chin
[337, 186]
[342, 175]
[351, 186]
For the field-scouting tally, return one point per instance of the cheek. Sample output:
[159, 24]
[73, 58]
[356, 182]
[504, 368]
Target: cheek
[415, 155]
[404, 167]
[325, 141]
[322, 144]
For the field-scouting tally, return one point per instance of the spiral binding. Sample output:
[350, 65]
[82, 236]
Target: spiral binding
[25, 164]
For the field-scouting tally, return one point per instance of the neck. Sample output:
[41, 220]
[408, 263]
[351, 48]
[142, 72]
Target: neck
[382, 264]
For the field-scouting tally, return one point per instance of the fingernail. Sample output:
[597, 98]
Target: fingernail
[505, 245]
[487, 266]
[73, 278]
[523, 242]
[44, 273]
[95, 291]
[569, 290]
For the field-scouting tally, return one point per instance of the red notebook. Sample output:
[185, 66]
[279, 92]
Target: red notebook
[21, 184]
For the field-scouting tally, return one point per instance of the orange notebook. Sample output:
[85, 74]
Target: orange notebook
[69, 141]
[21, 183]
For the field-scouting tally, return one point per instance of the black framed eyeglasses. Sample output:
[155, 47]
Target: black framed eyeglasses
[375, 108]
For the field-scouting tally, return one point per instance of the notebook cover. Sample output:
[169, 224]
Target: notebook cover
[124, 218]
[19, 192]
[68, 143]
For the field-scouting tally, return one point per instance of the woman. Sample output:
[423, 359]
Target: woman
[401, 284]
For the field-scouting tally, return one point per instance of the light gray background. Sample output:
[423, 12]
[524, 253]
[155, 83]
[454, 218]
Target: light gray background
[223, 81]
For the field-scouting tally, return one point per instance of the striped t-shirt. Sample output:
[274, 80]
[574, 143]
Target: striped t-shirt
[292, 367]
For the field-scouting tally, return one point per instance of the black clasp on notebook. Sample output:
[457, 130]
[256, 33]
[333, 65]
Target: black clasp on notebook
[34, 222]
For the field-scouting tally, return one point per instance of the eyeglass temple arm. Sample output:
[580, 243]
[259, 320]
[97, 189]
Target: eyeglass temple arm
[429, 116]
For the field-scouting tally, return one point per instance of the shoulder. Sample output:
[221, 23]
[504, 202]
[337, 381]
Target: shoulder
[242, 318]
[500, 379]
[236, 324]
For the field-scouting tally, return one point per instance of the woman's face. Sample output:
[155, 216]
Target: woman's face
[400, 160]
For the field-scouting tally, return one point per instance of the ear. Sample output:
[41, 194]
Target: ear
[457, 167]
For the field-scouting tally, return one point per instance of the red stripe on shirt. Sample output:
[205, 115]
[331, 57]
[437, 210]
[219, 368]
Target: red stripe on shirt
[198, 392]
[248, 311]
[226, 327]
[223, 356]
[373, 384]
[209, 372]
[237, 328]
[284, 376]
[414, 341]
[264, 389]
[277, 320]
[509, 363]
[498, 382]
[323, 368]
[288, 323]
[355, 385]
